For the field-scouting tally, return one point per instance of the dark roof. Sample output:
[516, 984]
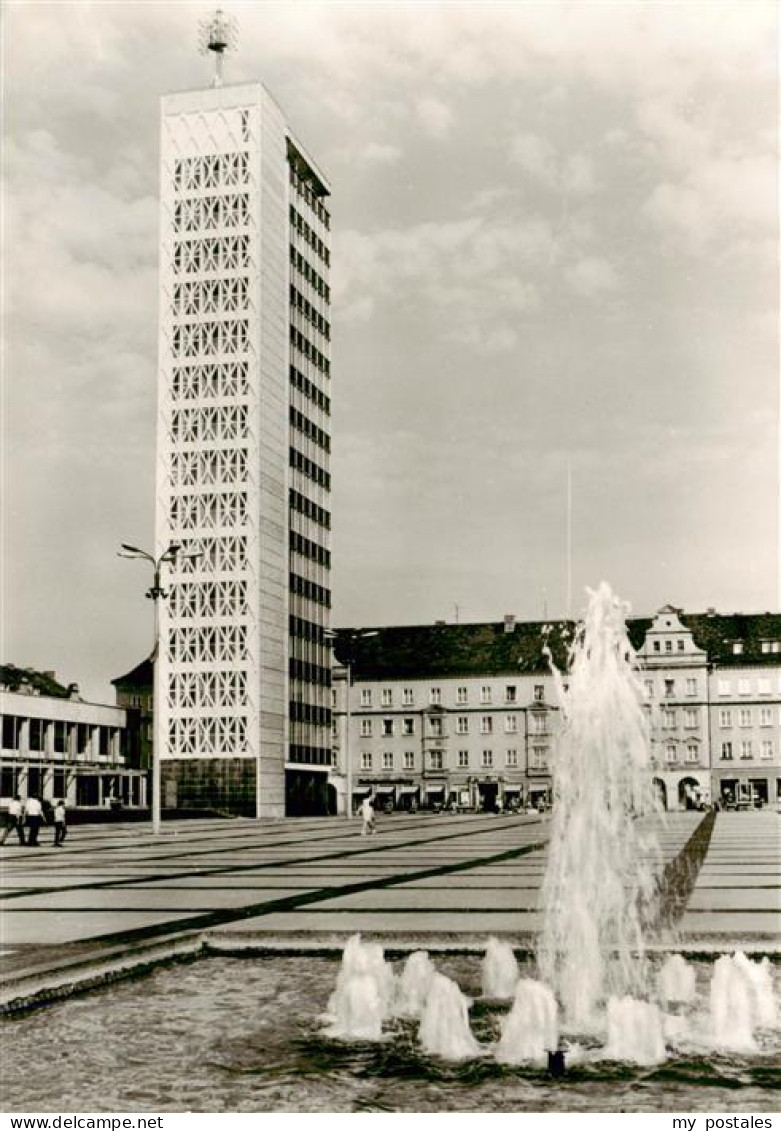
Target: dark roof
[717, 632]
[454, 649]
[440, 650]
[142, 675]
[12, 679]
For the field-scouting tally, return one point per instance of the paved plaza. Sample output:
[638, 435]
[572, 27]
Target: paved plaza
[116, 894]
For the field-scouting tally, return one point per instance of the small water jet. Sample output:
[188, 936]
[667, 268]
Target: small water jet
[676, 983]
[530, 1030]
[364, 994]
[634, 1031]
[414, 984]
[444, 1024]
[741, 1001]
[500, 970]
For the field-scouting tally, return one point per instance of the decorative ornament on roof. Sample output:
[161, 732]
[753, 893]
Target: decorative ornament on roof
[218, 35]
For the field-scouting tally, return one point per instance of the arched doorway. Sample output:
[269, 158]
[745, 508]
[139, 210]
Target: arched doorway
[689, 793]
[661, 792]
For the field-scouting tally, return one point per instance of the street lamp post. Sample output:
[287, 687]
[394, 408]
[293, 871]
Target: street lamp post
[154, 594]
[349, 638]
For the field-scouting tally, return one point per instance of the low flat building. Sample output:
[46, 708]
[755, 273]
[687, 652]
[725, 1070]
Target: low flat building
[54, 745]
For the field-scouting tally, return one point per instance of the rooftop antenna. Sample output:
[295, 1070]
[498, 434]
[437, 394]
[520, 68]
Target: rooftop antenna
[217, 35]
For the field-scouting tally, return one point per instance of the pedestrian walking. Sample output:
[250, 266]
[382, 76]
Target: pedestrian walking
[33, 814]
[367, 813]
[60, 828]
[14, 820]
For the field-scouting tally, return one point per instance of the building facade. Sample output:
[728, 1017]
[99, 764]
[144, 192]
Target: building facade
[467, 715]
[56, 746]
[243, 450]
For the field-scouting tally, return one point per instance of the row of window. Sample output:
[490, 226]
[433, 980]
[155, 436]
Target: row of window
[299, 224]
[214, 171]
[738, 646]
[669, 645]
[745, 686]
[304, 268]
[435, 759]
[670, 687]
[691, 717]
[309, 755]
[312, 199]
[86, 738]
[309, 549]
[209, 467]
[309, 673]
[310, 430]
[310, 469]
[321, 324]
[300, 503]
[692, 754]
[745, 716]
[191, 339]
[435, 695]
[309, 713]
[302, 343]
[306, 630]
[210, 380]
[310, 390]
[212, 254]
[211, 296]
[435, 725]
[221, 510]
[766, 749]
[310, 590]
[210, 212]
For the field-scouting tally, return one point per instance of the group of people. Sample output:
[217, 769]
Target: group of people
[26, 817]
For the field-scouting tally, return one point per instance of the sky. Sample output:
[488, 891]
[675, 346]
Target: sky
[555, 253]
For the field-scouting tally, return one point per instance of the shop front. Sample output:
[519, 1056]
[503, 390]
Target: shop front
[742, 790]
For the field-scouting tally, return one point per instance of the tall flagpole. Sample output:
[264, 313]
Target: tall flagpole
[569, 540]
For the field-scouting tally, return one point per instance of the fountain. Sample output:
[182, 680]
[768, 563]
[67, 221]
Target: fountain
[604, 861]
[634, 1031]
[530, 1030]
[444, 1024]
[676, 983]
[365, 989]
[500, 970]
[599, 897]
[741, 1001]
[414, 985]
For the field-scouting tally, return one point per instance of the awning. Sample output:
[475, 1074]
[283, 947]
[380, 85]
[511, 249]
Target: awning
[512, 789]
[406, 790]
[434, 789]
[361, 790]
[378, 789]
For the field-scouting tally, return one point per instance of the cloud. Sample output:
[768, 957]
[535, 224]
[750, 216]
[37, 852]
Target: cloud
[721, 203]
[570, 174]
[381, 154]
[434, 116]
[592, 277]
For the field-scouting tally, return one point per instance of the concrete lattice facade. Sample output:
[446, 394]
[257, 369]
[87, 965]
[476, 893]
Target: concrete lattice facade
[242, 456]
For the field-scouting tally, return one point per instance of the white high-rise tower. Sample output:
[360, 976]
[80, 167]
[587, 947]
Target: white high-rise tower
[243, 447]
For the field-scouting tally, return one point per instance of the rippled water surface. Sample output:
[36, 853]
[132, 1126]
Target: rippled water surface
[244, 1035]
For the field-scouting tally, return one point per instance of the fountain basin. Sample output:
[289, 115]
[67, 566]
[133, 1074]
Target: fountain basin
[234, 1034]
